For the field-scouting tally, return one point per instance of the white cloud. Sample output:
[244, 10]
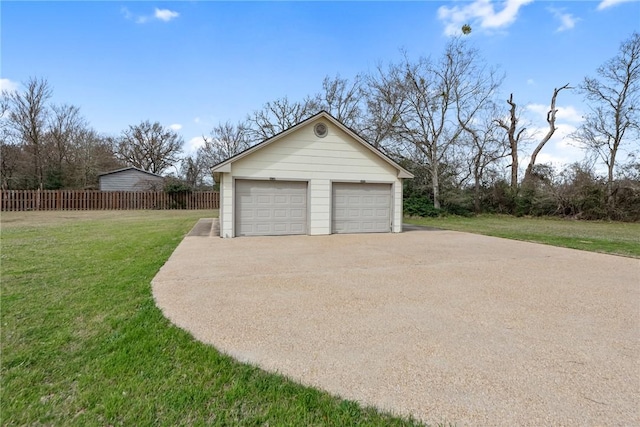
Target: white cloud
[165, 15]
[196, 120]
[176, 126]
[126, 13]
[8, 85]
[568, 113]
[482, 13]
[538, 109]
[531, 82]
[567, 20]
[604, 4]
[193, 144]
[559, 150]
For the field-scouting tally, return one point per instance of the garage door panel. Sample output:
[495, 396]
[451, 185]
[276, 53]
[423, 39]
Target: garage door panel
[270, 208]
[263, 213]
[280, 228]
[369, 213]
[299, 214]
[369, 200]
[382, 200]
[246, 216]
[361, 208]
[260, 228]
[298, 228]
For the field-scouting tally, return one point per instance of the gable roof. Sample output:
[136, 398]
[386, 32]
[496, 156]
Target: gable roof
[129, 168]
[225, 166]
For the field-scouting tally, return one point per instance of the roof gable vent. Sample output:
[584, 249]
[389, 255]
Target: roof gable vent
[321, 130]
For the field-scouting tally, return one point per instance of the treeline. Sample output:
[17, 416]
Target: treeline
[52, 146]
[445, 118]
[48, 146]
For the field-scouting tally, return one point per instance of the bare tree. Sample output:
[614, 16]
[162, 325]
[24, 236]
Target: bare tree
[149, 146]
[551, 120]
[514, 135]
[5, 131]
[383, 98]
[64, 130]
[424, 96]
[278, 116]
[193, 171]
[48, 146]
[614, 98]
[474, 104]
[27, 117]
[12, 160]
[226, 140]
[486, 146]
[8, 152]
[89, 155]
[342, 99]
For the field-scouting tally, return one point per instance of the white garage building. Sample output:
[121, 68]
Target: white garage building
[318, 177]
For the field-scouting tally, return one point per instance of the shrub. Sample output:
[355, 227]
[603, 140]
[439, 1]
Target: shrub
[458, 209]
[177, 191]
[173, 186]
[420, 206]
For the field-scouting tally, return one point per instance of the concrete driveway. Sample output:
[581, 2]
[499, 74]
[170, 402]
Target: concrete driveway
[442, 325]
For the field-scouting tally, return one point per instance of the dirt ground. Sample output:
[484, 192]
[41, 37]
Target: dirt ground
[442, 325]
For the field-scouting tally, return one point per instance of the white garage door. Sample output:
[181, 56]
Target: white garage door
[270, 208]
[361, 208]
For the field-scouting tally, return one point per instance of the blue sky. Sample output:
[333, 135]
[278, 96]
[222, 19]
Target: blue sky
[192, 64]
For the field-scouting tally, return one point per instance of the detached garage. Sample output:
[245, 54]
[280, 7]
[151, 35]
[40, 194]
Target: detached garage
[318, 177]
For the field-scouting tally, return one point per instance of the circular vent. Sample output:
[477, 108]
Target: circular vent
[320, 130]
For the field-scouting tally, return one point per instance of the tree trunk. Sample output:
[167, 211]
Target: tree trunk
[514, 138]
[514, 168]
[610, 199]
[477, 174]
[476, 195]
[435, 184]
[551, 119]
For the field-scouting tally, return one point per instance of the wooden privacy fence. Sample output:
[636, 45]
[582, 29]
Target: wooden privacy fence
[61, 200]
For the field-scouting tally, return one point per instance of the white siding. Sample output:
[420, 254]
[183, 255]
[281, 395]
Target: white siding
[221, 209]
[397, 206]
[301, 155]
[226, 204]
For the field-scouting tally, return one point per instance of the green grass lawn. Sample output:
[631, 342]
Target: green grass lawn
[617, 238]
[84, 344]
